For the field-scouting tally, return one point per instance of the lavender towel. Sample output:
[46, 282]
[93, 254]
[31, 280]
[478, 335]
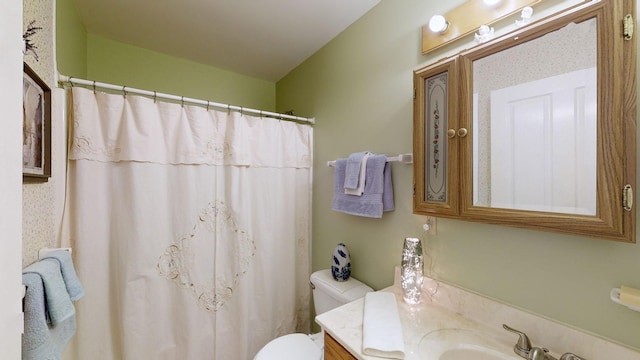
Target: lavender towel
[388, 203]
[352, 170]
[378, 191]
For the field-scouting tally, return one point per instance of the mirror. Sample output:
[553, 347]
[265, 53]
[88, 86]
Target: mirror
[538, 127]
[534, 115]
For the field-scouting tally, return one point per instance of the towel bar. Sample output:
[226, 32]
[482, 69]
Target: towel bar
[405, 158]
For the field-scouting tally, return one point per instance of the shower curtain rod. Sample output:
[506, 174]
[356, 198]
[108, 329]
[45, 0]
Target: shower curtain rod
[63, 79]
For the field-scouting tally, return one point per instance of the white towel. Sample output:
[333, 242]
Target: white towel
[352, 171]
[362, 177]
[381, 328]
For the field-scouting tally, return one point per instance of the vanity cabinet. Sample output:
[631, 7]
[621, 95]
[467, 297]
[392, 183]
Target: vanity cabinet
[535, 129]
[334, 351]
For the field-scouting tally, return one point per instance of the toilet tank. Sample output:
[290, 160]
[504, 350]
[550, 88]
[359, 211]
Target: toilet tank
[329, 293]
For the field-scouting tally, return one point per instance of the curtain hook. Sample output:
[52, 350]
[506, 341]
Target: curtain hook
[70, 81]
[208, 103]
[124, 91]
[182, 101]
[94, 87]
[155, 96]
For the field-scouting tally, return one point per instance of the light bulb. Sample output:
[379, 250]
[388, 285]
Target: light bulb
[438, 24]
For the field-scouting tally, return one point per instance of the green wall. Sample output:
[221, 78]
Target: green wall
[117, 63]
[71, 41]
[93, 57]
[359, 89]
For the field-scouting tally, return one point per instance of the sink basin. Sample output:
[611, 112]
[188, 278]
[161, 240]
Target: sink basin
[467, 353]
[463, 344]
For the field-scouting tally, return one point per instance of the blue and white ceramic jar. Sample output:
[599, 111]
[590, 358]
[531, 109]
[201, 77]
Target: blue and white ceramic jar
[341, 263]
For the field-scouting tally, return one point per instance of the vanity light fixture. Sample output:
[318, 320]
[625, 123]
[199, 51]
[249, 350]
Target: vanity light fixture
[438, 24]
[525, 16]
[465, 19]
[484, 34]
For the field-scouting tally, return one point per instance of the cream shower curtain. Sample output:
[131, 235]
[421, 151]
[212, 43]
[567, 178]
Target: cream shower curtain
[190, 229]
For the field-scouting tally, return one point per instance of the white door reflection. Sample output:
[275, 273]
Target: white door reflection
[543, 144]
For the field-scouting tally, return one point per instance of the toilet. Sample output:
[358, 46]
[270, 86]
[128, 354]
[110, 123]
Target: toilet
[327, 294]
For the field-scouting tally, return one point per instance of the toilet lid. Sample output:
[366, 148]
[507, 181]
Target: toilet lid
[290, 347]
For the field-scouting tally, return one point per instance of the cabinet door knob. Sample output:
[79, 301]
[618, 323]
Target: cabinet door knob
[462, 132]
[451, 133]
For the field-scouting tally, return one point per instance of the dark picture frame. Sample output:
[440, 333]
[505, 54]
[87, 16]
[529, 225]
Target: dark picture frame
[36, 127]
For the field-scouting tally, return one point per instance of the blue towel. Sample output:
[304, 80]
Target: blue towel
[57, 300]
[373, 201]
[74, 288]
[352, 170]
[41, 340]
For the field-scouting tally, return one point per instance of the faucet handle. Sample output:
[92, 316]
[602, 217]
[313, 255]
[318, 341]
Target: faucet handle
[523, 346]
[571, 356]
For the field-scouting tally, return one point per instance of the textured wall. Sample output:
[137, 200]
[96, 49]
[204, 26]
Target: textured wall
[42, 202]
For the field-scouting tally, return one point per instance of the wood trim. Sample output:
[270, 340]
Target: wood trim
[608, 222]
[334, 351]
[630, 118]
[421, 205]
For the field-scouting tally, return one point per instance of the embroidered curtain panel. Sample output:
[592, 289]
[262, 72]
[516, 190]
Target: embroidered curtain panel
[191, 229]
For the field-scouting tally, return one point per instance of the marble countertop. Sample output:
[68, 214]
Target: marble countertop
[427, 328]
[448, 313]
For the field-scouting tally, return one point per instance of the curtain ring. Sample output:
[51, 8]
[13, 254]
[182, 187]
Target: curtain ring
[124, 91]
[94, 87]
[260, 113]
[155, 96]
[70, 81]
[207, 105]
[182, 101]
[228, 109]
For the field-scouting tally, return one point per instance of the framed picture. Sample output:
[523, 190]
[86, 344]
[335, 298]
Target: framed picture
[36, 127]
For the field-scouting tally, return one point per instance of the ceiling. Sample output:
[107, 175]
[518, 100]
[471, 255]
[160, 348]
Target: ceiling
[264, 39]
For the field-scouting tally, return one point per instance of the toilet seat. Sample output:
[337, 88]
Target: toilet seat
[290, 347]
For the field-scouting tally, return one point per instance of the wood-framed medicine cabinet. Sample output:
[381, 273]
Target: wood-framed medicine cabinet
[535, 129]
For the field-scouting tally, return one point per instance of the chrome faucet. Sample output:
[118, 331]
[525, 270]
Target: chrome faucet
[524, 349]
[571, 356]
[523, 346]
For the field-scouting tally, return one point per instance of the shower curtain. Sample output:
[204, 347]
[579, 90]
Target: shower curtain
[190, 229]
